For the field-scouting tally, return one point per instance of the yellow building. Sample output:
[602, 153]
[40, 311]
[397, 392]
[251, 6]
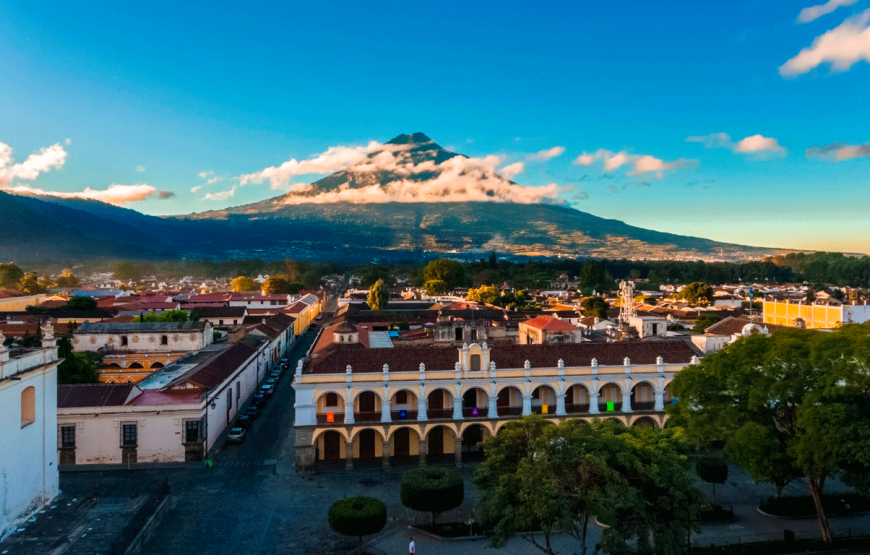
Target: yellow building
[814, 315]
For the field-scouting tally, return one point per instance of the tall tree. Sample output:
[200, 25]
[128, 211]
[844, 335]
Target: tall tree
[10, 274]
[594, 307]
[436, 287]
[484, 294]
[697, 293]
[450, 272]
[127, 270]
[67, 279]
[244, 283]
[796, 402]
[30, 284]
[275, 286]
[379, 296]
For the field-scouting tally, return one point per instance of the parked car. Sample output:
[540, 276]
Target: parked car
[244, 420]
[258, 400]
[275, 376]
[270, 381]
[236, 435]
[267, 389]
[253, 412]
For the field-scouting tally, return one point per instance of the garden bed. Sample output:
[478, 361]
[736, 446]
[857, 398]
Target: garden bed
[803, 506]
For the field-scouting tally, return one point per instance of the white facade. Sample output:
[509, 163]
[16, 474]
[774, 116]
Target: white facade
[148, 337]
[28, 413]
[710, 343]
[649, 326]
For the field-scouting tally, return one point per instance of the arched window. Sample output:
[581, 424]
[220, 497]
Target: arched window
[341, 338]
[28, 406]
[156, 365]
[331, 400]
[475, 363]
[402, 398]
[123, 340]
[164, 340]
[135, 365]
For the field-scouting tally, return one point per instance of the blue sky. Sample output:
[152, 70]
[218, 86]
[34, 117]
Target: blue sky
[153, 96]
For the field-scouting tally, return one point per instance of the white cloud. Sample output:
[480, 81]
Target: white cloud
[713, 140]
[140, 168]
[35, 164]
[753, 144]
[114, 194]
[758, 143]
[548, 154]
[222, 195]
[210, 177]
[842, 46]
[839, 151]
[334, 159]
[195, 189]
[640, 163]
[510, 171]
[814, 12]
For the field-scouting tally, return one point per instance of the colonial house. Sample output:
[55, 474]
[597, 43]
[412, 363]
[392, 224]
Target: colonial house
[547, 330]
[360, 405]
[154, 337]
[176, 414]
[28, 416]
[221, 316]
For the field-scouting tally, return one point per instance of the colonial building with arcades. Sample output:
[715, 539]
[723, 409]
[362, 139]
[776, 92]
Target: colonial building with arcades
[356, 404]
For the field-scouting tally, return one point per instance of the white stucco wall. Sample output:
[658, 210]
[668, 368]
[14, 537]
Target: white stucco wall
[28, 455]
[148, 342]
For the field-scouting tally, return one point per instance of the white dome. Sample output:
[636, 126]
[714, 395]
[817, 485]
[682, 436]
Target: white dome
[751, 329]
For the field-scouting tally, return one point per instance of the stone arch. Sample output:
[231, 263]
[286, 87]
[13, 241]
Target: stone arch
[446, 400]
[339, 392]
[618, 384]
[489, 426]
[475, 402]
[610, 392]
[319, 432]
[440, 440]
[331, 445]
[378, 430]
[156, 365]
[473, 435]
[519, 387]
[137, 365]
[28, 406]
[114, 366]
[544, 399]
[404, 441]
[645, 422]
[577, 397]
[666, 394]
[643, 396]
[355, 395]
[509, 400]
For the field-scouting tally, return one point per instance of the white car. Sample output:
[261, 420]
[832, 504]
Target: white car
[236, 435]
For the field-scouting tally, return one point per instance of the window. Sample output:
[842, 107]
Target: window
[331, 400]
[191, 431]
[402, 398]
[238, 392]
[164, 340]
[457, 334]
[341, 338]
[123, 340]
[475, 363]
[68, 437]
[220, 322]
[28, 406]
[129, 435]
[474, 335]
[229, 399]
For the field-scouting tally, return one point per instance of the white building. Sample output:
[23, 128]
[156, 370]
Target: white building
[28, 416]
[174, 415]
[152, 337]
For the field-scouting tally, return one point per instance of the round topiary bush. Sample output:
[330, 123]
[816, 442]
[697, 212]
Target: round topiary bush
[358, 516]
[432, 490]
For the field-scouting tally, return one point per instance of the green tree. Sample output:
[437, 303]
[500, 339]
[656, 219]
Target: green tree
[45, 282]
[379, 296]
[358, 516]
[76, 367]
[374, 272]
[30, 284]
[81, 303]
[432, 490]
[595, 306]
[275, 286]
[436, 287]
[10, 274]
[165, 316]
[795, 401]
[712, 470]
[484, 294]
[697, 293]
[244, 283]
[704, 322]
[449, 271]
[127, 271]
[67, 279]
[594, 278]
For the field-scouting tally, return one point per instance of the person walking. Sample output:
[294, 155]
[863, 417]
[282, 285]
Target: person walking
[412, 547]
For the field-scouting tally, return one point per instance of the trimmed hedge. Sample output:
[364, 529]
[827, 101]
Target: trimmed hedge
[432, 490]
[358, 516]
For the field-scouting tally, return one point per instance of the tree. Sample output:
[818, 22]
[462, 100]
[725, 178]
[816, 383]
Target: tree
[358, 516]
[546, 478]
[244, 283]
[484, 294]
[276, 286]
[449, 271]
[30, 284]
[45, 282]
[67, 279]
[432, 490]
[10, 274]
[165, 316]
[712, 470]
[704, 322]
[697, 293]
[594, 278]
[486, 277]
[127, 271]
[594, 307]
[374, 272]
[436, 287]
[792, 403]
[81, 303]
[76, 367]
[379, 296]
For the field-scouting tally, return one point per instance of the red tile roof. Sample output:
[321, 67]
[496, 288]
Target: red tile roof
[155, 397]
[548, 323]
[217, 369]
